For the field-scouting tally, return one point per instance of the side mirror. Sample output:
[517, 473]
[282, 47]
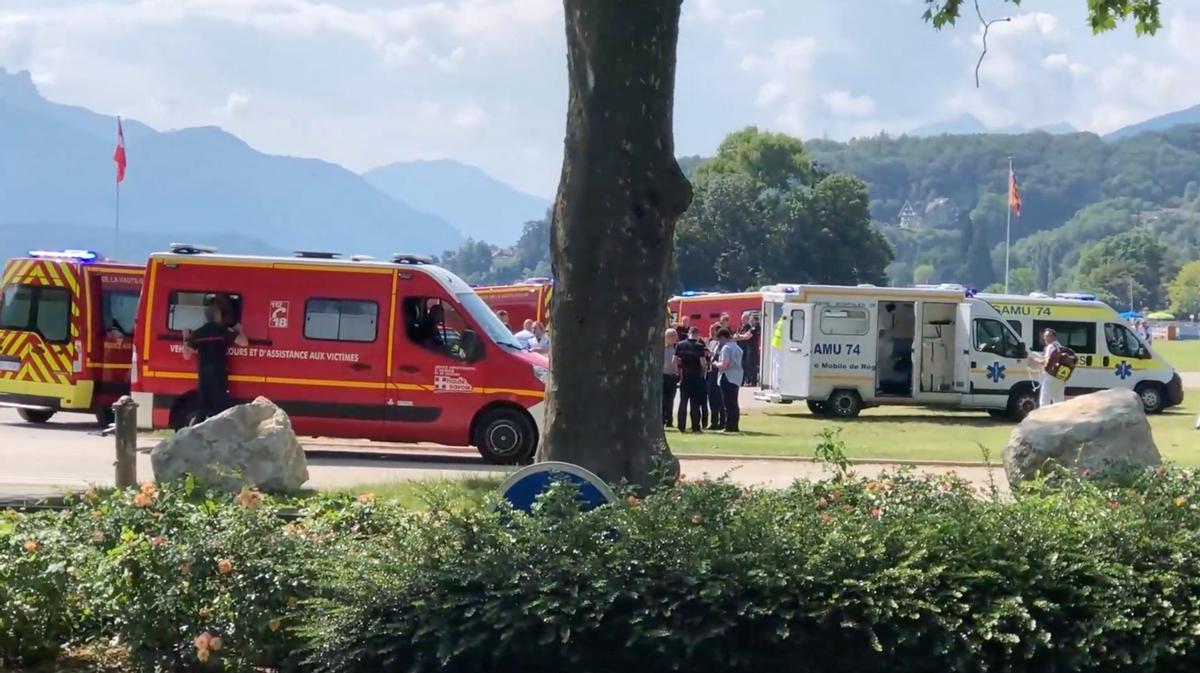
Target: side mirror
[1022, 351]
[1142, 353]
[471, 346]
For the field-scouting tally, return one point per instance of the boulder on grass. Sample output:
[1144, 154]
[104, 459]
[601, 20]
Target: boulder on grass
[1099, 432]
[246, 445]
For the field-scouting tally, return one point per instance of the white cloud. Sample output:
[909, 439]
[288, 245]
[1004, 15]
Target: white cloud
[845, 103]
[786, 70]
[236, 102]
[470, 117]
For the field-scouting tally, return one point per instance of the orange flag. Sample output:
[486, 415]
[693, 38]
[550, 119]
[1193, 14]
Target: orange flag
[1014, 194]
[119, 153]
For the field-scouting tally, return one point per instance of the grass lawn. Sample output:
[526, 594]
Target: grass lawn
[1183, 355]
[416, 494]
[912, 433]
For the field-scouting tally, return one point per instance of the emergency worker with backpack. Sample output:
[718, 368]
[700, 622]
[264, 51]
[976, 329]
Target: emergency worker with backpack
[1058, 363]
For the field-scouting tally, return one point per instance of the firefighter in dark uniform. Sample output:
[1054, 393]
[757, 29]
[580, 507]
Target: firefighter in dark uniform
[692, 359]
[210, 343]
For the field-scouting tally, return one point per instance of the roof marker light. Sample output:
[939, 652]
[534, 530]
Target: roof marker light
[81, 255]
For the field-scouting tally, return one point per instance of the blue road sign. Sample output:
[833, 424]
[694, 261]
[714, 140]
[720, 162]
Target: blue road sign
[523, 487]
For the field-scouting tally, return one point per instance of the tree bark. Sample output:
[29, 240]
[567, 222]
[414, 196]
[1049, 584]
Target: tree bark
[612, 239]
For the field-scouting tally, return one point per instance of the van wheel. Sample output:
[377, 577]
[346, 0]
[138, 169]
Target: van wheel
[818, 408]
[1021, 403]
[1152, 397]
[105, 416]
[505, 437]
[35, 416]
[844, 404]
[184, 412]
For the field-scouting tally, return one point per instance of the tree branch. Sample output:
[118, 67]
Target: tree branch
[986, 26]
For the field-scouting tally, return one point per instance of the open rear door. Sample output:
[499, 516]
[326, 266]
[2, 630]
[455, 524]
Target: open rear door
[962, 349]
[787, 361]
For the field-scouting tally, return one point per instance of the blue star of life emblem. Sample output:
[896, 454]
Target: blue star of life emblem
[995, 372]
[1124, 370]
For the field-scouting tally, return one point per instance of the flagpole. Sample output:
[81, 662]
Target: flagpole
[1008, 224]
[117, 216]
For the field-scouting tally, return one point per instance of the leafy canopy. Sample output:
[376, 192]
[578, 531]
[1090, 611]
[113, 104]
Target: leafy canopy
[1103, 15]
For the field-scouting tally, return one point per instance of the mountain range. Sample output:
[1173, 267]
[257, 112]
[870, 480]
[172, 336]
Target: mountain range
[204, 185]
[968, 124]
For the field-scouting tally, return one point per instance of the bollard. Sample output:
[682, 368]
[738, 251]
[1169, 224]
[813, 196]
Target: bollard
[125, 413]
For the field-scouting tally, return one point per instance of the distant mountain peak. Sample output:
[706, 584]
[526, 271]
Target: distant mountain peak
[18, 86]
[479, 205]
[1190, 115]
[968, 124]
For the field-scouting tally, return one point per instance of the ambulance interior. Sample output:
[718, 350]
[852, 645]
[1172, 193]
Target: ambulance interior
[937, 347]
[893, 350]
[898, 322]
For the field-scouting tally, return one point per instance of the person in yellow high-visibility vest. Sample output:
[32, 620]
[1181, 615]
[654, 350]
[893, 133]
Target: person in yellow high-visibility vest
[777, 345]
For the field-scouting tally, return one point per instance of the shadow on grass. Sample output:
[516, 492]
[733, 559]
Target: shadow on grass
[970, 421]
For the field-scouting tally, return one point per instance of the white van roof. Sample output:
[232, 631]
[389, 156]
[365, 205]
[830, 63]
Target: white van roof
[799, 293]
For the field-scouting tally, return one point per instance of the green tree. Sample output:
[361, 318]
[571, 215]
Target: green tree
[775, 160]
[612, 239]
[1184, 290]
[1107, 267]
[723, 240]
[923, 274]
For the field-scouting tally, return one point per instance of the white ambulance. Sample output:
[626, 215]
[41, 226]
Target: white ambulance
[1110, 354]
[843, 348]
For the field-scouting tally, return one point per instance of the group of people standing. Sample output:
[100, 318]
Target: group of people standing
[532, 337]
[707, 375]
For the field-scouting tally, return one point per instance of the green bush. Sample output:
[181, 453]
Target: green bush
[896, 574]
[901, 574]
[34, 583]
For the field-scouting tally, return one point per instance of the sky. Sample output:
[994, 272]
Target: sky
[367, 82]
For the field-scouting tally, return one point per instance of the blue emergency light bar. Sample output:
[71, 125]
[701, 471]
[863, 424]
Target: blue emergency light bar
[79, 255]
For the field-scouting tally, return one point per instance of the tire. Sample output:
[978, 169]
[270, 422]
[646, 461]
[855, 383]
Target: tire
[844, 404]
[184, 413]
[505, 437]
[1021, 402]
[818, 408]
[105, 417]
[35, 416]
[1154, 398]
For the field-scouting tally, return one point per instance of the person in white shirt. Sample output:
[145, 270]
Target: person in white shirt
[525, 334]
[1053, 389]
[539, 342]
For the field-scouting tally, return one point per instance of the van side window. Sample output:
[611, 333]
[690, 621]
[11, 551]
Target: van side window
[37, 308]
[434, 325]
[341, 320]
[185, 309]
[992, 337]
[118, 310]
[1078, 336]
[844, 321]
[1120, 341]
[796, 328]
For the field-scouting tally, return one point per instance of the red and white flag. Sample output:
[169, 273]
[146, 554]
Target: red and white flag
[1014, 194]
[119, 153]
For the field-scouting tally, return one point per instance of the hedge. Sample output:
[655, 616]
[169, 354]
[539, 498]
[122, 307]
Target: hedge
[903, 573]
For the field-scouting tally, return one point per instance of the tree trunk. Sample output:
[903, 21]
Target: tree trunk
[611, 243]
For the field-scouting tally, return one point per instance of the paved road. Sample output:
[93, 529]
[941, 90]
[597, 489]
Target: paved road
[67, 454]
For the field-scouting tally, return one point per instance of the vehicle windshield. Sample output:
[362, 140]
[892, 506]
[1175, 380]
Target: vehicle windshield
[487, 320]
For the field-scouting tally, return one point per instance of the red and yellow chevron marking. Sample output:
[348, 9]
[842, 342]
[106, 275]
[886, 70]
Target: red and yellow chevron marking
[546, 297]
[41, 362]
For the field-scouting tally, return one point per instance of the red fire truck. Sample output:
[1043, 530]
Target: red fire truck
[399, 351]
[701, 309]
[66, 333]
[529, 300]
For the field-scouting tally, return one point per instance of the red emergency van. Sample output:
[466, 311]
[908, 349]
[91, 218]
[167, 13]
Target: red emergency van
[66, 333]
[399, 351]
[701, 309]
[529, 300]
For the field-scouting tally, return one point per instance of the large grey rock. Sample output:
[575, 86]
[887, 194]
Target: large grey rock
[246, 445]
[1102, 431]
